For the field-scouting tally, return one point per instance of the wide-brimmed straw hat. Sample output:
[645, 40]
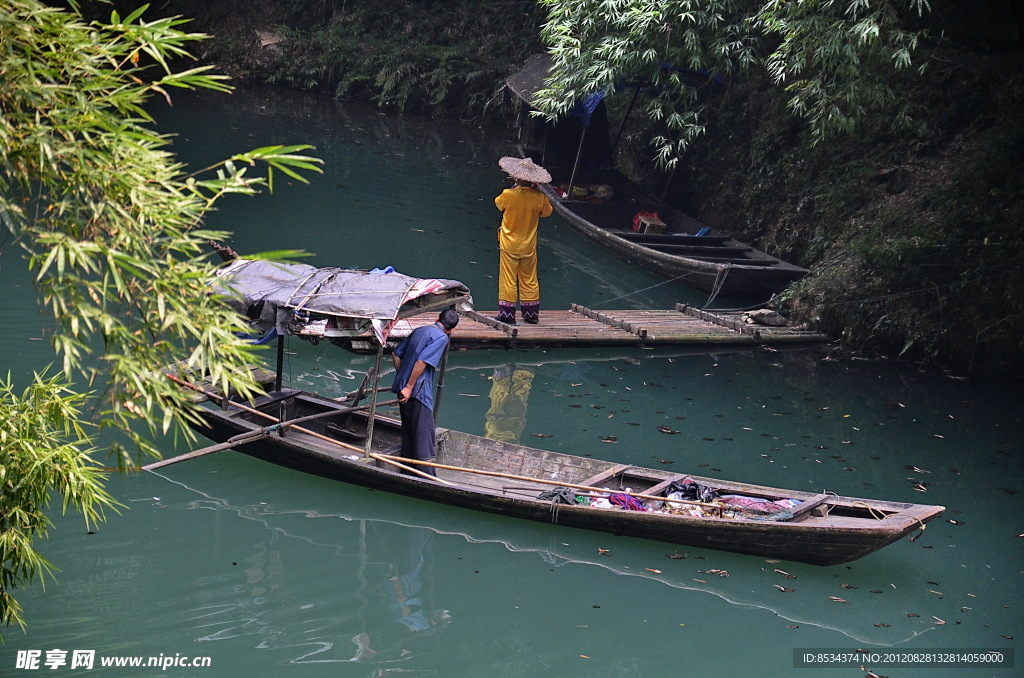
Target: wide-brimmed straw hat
[525, 169]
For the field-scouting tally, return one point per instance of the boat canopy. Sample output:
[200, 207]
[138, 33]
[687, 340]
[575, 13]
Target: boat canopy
[311, 302]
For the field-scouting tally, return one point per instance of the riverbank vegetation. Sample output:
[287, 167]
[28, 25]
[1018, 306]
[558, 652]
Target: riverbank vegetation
[898, 187]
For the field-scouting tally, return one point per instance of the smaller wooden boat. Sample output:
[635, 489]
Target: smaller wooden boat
[670, 242]
[601, 204]
[358, 444]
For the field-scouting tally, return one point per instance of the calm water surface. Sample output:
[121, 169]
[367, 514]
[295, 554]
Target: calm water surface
[269, 572]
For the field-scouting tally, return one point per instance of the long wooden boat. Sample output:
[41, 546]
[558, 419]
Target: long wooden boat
[509, 479]
[601, 204]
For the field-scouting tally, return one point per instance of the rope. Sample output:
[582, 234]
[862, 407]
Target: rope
[879, 515]
[670, 280]
[719, 283]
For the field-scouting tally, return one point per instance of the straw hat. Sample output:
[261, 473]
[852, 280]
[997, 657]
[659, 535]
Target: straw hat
[525, 169]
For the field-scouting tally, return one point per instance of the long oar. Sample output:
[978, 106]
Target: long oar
[588, 488]
[235, 441]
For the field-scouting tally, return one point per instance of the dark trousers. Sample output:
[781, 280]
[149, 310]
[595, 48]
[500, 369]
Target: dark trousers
[417, 433]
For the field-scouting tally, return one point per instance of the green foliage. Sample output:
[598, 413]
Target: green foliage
[831, 57]
[834, 57]
[443, 58]
[44, 447]
[111, 227]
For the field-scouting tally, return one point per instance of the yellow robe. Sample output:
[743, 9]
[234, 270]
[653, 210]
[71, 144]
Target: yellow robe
[521, 207]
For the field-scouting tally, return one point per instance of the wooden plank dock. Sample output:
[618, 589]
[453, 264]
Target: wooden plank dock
[583, 327]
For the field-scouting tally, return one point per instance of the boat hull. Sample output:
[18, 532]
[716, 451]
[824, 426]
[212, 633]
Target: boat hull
[506, 477]
[755, 274]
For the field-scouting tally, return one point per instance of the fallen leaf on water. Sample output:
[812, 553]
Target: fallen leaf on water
[838, 599]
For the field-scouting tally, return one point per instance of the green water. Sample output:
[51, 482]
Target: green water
[268, 572]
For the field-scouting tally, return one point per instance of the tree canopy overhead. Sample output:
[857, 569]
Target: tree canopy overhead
[832, 57]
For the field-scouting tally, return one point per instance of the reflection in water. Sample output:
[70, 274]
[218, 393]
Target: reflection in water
[400, 559]
[376, 607]
[510, 391]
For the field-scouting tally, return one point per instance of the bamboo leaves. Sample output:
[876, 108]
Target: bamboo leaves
[830, 57]
[110, 227]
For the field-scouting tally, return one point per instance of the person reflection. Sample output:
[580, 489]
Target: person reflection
[510, 389]
[403, 560]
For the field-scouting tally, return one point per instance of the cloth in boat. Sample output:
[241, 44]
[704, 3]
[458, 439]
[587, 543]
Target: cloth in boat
[525, 169]
[627, 502]
[689, 490]
[562, 495]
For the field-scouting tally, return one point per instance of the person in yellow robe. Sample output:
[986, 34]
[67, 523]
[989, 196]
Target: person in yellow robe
[522, 206]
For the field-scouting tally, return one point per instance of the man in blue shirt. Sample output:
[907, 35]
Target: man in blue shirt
[416, 360]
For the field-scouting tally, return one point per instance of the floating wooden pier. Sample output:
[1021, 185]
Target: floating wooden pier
[583, 327]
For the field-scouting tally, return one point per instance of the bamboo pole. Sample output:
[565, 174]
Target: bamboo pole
[388, 459]
[589, 488]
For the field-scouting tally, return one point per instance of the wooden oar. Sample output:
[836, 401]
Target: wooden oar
[258, 434]
[235, 441]
[589, 488]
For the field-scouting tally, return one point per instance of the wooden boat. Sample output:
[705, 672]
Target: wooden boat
[508, 479]
[344, 440]
[604, 206]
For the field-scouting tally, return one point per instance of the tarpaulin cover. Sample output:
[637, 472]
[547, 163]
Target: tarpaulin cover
[284, 296]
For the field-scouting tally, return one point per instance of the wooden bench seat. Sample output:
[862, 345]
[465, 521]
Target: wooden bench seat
[605, 476]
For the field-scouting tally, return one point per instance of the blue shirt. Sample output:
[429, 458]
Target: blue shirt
[426, 344]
